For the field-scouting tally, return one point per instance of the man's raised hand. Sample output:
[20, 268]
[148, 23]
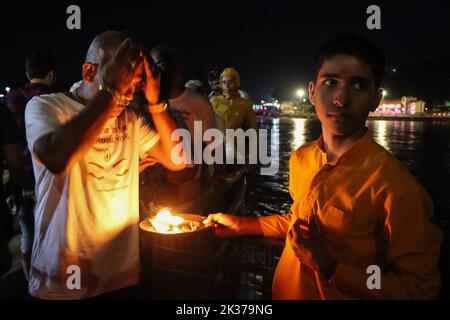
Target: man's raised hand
[119, 71]
[152, 82]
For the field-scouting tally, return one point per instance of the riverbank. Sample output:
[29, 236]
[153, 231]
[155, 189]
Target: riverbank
[377, 117]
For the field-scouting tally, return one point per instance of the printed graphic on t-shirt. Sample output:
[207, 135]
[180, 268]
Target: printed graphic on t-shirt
[107, 165]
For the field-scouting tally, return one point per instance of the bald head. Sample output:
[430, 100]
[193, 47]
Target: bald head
[102, 50]
[107, 43]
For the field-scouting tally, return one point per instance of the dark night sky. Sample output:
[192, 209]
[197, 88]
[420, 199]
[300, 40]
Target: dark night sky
[272, 43]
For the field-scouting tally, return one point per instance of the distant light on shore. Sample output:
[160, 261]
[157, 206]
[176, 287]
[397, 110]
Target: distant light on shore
[300, 93]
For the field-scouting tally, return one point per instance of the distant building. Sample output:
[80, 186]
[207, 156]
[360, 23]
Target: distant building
[441, 110]
[405, 105]
[287, 108]
[267, 108]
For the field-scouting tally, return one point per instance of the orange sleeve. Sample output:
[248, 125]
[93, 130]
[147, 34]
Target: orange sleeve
[275, 226]
[413, 246]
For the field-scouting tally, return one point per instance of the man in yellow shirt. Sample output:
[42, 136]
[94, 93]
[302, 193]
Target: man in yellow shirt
[231, 108]
[356, 207]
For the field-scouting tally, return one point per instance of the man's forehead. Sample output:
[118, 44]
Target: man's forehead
[345, 66]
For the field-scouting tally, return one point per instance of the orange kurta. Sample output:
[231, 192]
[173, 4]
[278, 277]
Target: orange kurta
[371, 212]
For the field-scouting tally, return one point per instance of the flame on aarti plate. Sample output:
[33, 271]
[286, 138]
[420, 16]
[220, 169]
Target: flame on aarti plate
[165, 222]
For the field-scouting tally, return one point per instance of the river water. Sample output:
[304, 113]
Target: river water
[422, 146]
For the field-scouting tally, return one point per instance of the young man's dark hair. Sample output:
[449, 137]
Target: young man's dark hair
[353, 45]
[38, 64]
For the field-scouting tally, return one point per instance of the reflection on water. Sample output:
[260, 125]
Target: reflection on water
[299, 133]
[422, 146]
[379, 133]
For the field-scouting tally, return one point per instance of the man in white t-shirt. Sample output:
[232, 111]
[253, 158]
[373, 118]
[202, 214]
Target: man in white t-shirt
[86, 148]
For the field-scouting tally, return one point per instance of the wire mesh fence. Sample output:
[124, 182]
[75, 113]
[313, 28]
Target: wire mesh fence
[202, 266]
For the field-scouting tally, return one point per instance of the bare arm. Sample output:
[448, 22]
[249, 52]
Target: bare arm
[163, 157]
[163, 121]
[227, 225]
[61, 148]
[165, 126]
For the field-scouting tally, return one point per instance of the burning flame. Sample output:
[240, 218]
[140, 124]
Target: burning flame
[165, 222]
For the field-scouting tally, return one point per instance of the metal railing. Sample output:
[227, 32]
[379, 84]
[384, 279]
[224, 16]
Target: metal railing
[206, 267]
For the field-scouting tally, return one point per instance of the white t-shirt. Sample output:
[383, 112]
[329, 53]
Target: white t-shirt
[192, 106]
[186, 109]
[244, 94]
[87, 217]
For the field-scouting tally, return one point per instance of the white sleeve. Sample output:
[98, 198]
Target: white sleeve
[208, 116]
[41, 118]
[147, 137]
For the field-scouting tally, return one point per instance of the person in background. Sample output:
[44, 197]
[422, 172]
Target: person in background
[214, 82]
[40, 71]
[197, 86]
[11, 153]
[216, 87]
[187, 108]
[233, 110]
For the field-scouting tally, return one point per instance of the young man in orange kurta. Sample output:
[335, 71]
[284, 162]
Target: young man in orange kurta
[355, 205]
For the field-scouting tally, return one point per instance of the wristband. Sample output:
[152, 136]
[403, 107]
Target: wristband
[158, 108]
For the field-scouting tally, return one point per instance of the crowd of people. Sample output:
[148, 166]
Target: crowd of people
[75, 159]
[81, 161]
